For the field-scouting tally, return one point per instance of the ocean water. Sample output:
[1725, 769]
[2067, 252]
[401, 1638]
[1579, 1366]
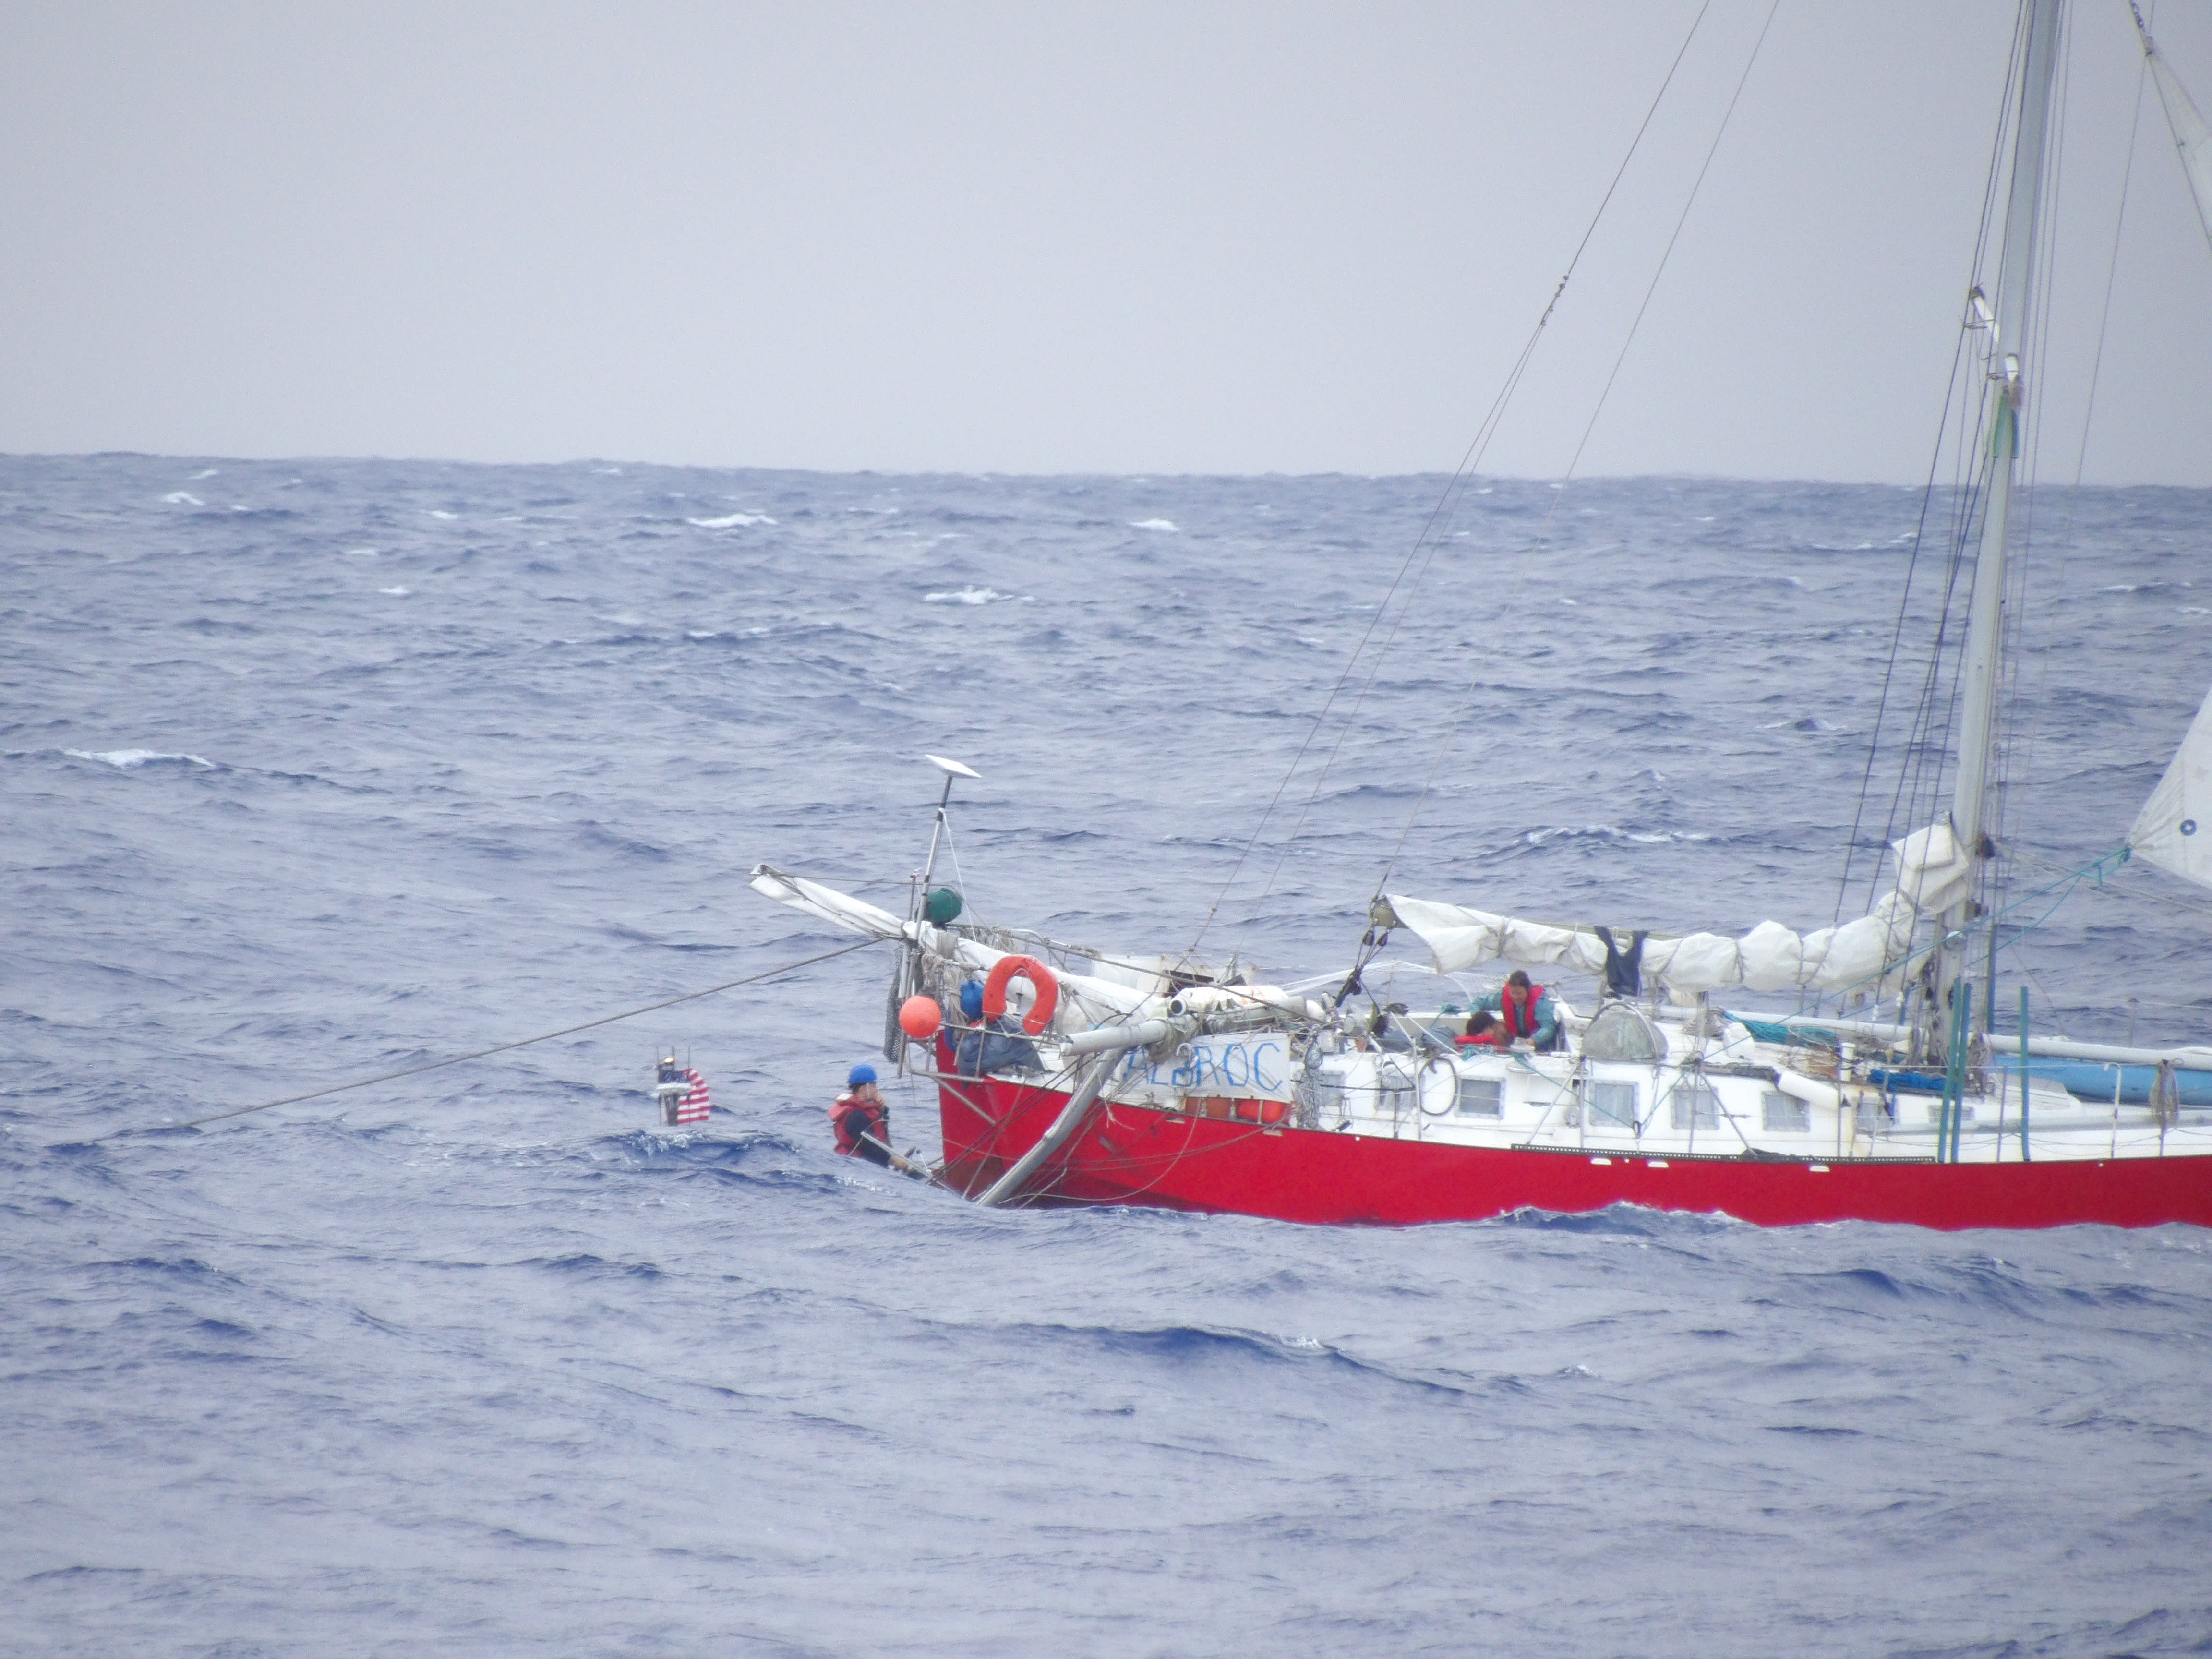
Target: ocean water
[317, 771]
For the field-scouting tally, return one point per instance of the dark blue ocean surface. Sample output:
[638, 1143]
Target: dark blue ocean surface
[319, 770]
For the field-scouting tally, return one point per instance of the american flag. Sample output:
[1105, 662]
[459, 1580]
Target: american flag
[694, 1106]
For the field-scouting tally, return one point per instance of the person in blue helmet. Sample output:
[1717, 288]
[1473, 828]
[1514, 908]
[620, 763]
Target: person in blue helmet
[988, 1046]
[862, 1121]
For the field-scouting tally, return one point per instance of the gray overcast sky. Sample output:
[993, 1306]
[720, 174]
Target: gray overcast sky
[1233, 237]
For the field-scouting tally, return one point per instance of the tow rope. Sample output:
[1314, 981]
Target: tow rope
[496, 1048]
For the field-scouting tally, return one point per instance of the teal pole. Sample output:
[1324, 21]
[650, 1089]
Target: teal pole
[1943, 1100]
[1950, 1090]
[1953, 1113]
[2024, 1157]
[1966, 1032]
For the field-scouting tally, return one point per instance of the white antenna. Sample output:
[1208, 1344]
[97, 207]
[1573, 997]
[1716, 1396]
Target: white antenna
[952, 768]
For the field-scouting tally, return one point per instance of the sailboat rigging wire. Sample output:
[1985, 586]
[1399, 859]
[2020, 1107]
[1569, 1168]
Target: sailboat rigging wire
[496, 1048]
[1477, 446]
[1964, 495]
[2011, 721]
[2068, 883]
[1690, 202]
[1920, 769]
[2111, 274]
[1897, 633]
[2095, 867]
[2165, 902]
[1931, 756]
[2089, 403]
[959, 878]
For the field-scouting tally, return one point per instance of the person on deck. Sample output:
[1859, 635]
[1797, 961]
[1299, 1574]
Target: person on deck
[989, 1045]
[1484, 1030]
[862, 1121]
[1527, 1012]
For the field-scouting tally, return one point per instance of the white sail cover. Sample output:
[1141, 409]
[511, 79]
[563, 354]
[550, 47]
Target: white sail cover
[1934, 873]
[2174, 828]
[2191, 136]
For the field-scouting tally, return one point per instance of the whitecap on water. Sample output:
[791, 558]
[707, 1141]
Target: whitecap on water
[731, 521]
[1154, 523]
[396, 593]
[183, 498]
[970, 596]
[127, 760]
[1612, 832]
[440, 512]
[361, 552]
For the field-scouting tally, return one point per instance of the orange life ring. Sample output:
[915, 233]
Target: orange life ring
[1039, 976]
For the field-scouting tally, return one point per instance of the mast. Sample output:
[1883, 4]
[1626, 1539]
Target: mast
[2007, 398]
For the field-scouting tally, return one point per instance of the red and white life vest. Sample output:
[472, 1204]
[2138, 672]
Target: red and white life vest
[840, 1114]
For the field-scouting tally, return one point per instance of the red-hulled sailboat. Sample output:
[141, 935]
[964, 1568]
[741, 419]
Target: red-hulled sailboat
[1099, 1078]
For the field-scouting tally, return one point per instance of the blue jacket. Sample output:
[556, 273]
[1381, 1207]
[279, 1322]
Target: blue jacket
[983, 1049]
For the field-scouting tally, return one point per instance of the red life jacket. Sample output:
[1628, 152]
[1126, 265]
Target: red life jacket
[840, 1111]
[1524, 1023]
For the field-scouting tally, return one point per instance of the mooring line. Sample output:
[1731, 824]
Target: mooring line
[496, 1048]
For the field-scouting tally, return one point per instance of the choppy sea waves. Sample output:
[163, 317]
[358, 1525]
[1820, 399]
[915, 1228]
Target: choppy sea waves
[316, 771]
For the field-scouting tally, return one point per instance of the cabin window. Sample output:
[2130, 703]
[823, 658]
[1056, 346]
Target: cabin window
[1612, 1105]
[1481, 1096]
[1783, 1113]
[1693, 1106]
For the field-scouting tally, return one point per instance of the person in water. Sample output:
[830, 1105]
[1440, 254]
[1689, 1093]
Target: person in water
[1527, 1012]
[862, 1121]
[988, 1046]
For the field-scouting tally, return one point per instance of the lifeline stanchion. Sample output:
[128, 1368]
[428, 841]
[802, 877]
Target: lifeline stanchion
[496, 1047]
[1951, 1116]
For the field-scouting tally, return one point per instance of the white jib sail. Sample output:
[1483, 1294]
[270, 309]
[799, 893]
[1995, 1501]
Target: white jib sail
[2174, 828]
[1933, 873]
[2191, 136]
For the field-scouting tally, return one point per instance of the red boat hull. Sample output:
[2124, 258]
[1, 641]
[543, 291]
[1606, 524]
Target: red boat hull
[1143, 1155]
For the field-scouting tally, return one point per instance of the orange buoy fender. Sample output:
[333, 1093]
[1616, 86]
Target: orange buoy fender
[1039, 976]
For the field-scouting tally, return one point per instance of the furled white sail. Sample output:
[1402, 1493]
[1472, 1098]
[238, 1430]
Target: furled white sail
[826, 903]
[1084, 1001]
[2174, 828]
[2191, 136]
[1933, 872]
